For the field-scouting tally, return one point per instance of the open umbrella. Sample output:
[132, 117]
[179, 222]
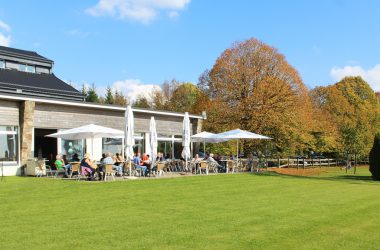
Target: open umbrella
[153, 140]
[129, 135]
[239, 134]
[186, 138]
[90, 131]
[206, 137]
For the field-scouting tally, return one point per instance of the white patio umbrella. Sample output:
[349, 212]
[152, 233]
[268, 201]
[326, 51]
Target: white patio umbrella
[153, 139]
[240, 134]
[90, 131]
[206, 137]
[129, 135]
[186, 138]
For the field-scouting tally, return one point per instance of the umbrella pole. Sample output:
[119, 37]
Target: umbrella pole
[237, 153]
[204, 148]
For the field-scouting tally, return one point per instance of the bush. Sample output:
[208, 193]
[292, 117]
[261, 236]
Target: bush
[374, 158]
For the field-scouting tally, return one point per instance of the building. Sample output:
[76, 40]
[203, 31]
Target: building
[35, 103]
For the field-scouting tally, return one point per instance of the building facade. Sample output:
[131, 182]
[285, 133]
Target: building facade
[35, 103]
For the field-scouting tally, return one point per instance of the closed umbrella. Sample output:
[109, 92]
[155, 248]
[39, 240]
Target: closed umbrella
[153, 140]
[129, 135]
[186, 138]
[90, 131]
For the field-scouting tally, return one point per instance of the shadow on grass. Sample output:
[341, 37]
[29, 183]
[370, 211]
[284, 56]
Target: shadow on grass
[352, 179]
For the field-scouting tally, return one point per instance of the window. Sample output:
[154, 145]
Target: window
[30, 69]
[115, 145]
[27, 68]
[8, 144]
[71, 147]
[2, 64]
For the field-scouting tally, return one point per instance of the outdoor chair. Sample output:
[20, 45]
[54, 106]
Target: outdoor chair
[160, 168]
[231, 166]
[74, 169]
[53, 171]
[203, 166]
[109, 172]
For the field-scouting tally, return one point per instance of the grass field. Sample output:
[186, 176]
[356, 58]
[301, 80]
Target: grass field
[226, 211]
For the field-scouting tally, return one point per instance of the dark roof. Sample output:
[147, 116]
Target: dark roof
[32, 84]
[23, 53]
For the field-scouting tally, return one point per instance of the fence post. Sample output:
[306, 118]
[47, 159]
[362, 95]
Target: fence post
[355, 163]
[279, 162]
[320, 165]
[297, 163]
[303, 163]
[288, 162]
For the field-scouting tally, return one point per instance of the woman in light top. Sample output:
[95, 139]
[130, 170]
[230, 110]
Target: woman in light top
[87, 167]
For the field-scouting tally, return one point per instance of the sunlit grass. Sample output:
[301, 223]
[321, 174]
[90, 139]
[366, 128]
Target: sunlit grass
[227, 211]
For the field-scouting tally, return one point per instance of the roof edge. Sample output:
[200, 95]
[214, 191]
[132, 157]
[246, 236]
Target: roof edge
[94, 105]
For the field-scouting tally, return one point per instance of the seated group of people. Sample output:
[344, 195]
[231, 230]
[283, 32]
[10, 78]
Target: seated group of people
[88, 167]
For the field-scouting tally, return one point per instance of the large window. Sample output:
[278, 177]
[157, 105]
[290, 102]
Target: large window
[2, 64]
[71, 147]
[8, 144]
[170, 146]
[115, 145]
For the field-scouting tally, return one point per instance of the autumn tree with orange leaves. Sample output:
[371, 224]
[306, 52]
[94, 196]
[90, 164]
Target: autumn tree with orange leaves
[251, 86]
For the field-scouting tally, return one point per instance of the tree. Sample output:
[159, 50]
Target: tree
[91, 95]
[374, 158]
[352, 106]
[251, 86]
[109, 98]
[141, 102]
[119, 98]
[184, 97]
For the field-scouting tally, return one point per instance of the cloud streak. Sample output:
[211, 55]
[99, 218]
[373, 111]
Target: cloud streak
[371, 75]
[143, 11]
[5, 39]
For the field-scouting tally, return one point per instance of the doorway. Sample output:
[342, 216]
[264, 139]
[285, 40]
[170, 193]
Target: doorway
[45, 147]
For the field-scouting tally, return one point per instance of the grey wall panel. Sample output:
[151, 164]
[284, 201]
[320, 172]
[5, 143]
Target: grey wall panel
[9, 113]
[59, 116]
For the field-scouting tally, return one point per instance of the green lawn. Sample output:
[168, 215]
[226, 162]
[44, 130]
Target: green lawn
[226, 211]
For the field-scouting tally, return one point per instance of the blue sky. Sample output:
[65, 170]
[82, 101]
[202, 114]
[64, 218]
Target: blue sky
[136, 44]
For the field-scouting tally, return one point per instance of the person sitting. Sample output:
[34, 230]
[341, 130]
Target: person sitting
[160, 157]
[58, 164]
[211, 160]
[87, 167]
[108, 160]
[146, 162]
[67, 165]
[75, 158]
[103, 156]
[137, 162]
[118, 159]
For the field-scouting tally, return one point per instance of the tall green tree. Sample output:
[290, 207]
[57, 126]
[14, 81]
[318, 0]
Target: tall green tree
[91, 95]
[374, 158]
[109, 97]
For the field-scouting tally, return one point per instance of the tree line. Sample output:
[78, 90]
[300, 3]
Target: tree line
[251, 86]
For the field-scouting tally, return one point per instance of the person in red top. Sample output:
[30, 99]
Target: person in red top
[145, 161]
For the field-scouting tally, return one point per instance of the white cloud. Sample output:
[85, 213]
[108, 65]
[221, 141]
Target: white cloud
[132, 88]
[143, 11]
[5, 40]
[372, 75]
[5, 26]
